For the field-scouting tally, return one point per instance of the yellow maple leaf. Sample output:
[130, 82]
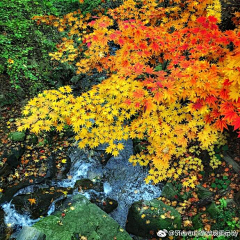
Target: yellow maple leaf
[64, 160]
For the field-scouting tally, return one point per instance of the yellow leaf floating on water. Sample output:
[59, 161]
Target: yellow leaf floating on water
[65, 192]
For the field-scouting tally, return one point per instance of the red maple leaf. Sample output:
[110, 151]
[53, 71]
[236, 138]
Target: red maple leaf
[121, 41]
[112, 36]
[230, 115]
[208, 118]
[226, 106]
[91, 23]
[236, 123]
[221, 124]
[215, 113]
[211, 100]
[238, 134]
[224, 93]
[212, 19]
[142, 46]
[227, 82]
[154, 46]
[197, 105]
[137, 104]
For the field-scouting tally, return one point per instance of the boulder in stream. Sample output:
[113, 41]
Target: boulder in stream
[85, 184]
[146, 218]
[95, 194]
[43, 199]
[77, 218]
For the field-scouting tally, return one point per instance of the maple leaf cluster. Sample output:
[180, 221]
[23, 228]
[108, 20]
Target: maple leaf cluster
[174, 79]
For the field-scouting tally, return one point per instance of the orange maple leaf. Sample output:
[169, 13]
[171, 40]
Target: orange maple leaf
[138, 93]
[32, 201]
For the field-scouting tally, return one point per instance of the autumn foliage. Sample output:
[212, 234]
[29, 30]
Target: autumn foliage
[173, 81]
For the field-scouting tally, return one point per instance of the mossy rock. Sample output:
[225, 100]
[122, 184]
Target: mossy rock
[169, 191]
[30, 233]
[81, 218]
[203, 192]
[197, 221]
[144, 217]
[17, 136]
[213, 210]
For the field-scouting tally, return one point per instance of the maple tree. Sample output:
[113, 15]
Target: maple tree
[173, 80]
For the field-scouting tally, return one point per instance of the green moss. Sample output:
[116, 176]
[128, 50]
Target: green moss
[146, 216]
[81, 218]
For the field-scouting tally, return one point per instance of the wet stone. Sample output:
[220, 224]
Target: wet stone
[30, 233]
[38, 203]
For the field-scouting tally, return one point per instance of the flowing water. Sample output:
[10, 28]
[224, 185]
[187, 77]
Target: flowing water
[122, 182]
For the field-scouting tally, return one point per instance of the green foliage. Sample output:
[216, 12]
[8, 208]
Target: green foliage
[221, 149]
[224, 219]
[89, 5]
[24, 45]
[62, 7]
[223, 203]
[233, 224]
[221, 183]
[179, 188]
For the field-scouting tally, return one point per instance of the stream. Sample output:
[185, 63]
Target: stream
[121, 181]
